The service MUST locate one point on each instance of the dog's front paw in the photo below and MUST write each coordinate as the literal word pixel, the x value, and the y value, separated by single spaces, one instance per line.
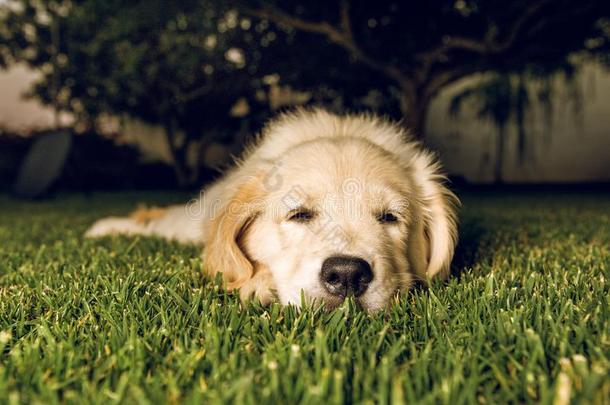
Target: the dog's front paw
pixel 260 287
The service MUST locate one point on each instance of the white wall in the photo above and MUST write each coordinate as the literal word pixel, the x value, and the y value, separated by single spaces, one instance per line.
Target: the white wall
pixel 576 149
pixel 16 112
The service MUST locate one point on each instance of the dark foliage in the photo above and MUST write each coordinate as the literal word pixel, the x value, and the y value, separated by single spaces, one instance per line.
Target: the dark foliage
pixel 184 65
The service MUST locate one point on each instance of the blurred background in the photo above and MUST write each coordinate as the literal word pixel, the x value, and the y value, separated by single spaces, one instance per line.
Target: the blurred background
pixel 117 94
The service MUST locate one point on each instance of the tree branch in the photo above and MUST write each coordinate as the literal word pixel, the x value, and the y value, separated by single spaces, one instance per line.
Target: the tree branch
pixel 490 44
pixel 446 77
pixel 346 23
pixel 181 97
pixel 341 36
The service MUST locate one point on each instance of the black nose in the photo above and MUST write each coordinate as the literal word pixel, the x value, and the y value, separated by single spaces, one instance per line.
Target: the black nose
pixel 342 275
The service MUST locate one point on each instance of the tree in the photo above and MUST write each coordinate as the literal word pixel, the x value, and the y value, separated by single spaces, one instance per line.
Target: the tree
pixel 183 65
pixel 176 64
pixel 418 48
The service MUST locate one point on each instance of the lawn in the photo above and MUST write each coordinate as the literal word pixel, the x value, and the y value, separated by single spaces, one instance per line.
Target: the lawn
pixel 526 318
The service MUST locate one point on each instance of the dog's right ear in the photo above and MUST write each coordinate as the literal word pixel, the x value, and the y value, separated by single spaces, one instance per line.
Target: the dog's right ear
pixel 434 234
pixel 223 252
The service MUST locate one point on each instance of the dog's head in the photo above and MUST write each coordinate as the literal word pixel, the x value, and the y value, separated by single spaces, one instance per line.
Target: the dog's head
pixel 333 218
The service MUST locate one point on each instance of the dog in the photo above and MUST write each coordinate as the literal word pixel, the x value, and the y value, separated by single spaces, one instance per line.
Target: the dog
pixel 320 206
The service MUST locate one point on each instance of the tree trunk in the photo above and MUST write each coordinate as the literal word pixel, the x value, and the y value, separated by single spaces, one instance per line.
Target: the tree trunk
pixel 204 142
pixel 178 153
pixel 414 108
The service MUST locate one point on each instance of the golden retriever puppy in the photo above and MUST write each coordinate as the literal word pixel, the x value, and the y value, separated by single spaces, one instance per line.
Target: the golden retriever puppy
pixel 322 206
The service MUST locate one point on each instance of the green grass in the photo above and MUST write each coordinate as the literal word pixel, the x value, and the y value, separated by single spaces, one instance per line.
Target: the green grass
pixel 133 321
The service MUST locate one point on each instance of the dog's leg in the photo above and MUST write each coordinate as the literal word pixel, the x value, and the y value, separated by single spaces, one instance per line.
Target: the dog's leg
pixel 174 223
pixel 115 226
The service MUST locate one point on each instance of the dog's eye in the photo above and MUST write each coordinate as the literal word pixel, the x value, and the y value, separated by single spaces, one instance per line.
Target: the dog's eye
pixel 387 217
pixel 302 215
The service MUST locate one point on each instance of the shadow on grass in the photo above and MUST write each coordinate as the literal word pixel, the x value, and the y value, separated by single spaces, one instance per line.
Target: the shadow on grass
pixel 469 249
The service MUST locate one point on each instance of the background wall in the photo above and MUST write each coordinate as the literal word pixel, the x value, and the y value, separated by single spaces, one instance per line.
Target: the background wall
pixel 16 112
pixel 576 149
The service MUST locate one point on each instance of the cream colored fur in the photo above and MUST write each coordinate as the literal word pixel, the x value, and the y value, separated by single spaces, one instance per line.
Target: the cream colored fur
pixel 347 170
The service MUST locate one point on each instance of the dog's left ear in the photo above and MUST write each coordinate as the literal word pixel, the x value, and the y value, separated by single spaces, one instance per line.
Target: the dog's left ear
pixel 223 252
pixel 434 231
